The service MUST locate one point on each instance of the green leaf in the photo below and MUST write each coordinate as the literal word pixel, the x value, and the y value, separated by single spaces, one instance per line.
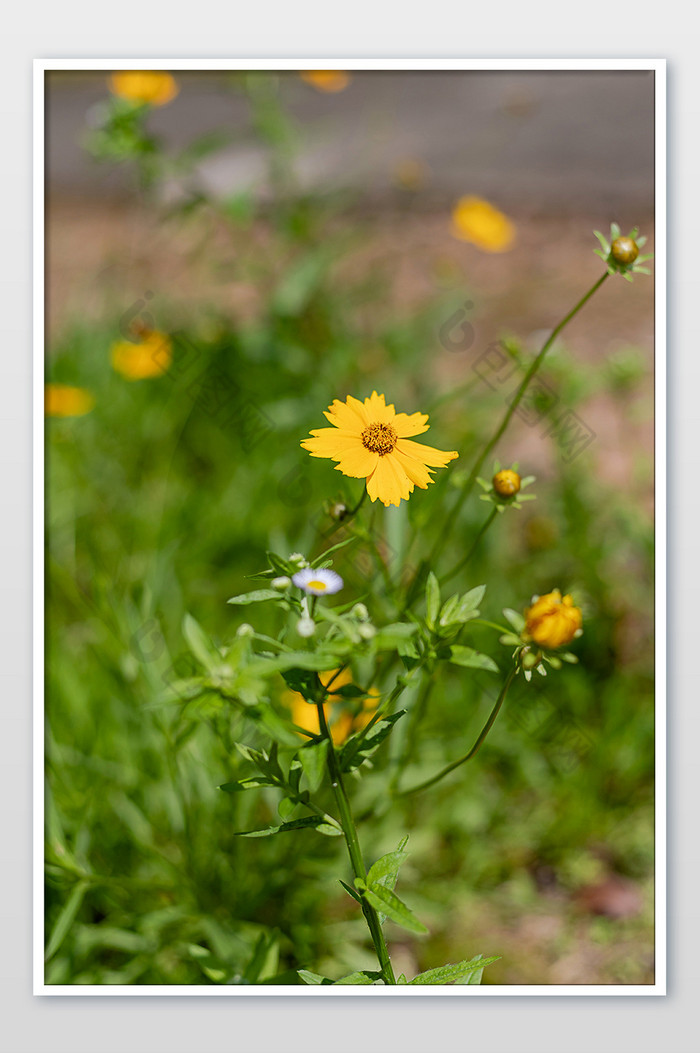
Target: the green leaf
pixel 386 901
pixel 333 548
pixel 199 644
pixel 360 746
pixel 359 978
pixel 257 596
pixel 255 782
pixel 447 974
pixel 65 919
pixel 312 978
pixel 432 600
pixel 471 659
pixel 286 807
pixel 515 618
pixel 313 761
pixel 314 822
pixel 392 636
pixel 385 870
pixel 351 892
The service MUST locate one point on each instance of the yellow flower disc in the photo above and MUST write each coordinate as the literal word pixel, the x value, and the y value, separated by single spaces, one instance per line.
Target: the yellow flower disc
pixel 506 483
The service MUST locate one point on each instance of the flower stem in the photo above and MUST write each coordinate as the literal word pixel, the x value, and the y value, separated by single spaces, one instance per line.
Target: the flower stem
pixel 497 435
pixel 475 748
pixel 351 839
pixel 463 562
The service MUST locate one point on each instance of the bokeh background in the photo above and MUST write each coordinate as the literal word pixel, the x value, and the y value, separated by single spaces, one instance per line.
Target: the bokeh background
pixel 291 241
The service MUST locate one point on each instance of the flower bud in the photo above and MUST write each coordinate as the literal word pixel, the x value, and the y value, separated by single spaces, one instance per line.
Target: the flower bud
pixel 338 511
pixel 552 620
pixel 281 583
pixel 506 483
pixel 624 250
pixel 245 630
pixel 366 631
pixel 361 612
pixel 306 627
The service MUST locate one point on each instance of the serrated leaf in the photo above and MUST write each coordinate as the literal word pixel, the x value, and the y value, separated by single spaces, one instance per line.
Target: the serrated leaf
pixel 432 600
pixel 386 901
pixel 446 974
pixel 471 659
pixel 257 596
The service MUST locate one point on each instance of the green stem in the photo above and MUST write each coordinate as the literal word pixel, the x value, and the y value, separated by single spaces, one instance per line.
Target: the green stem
pixel 463 562
pixel 497 435
pixel 351 839
pixel 475 748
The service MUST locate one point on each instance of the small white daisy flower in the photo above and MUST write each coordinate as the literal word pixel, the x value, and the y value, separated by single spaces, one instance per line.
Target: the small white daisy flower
pixel 319 582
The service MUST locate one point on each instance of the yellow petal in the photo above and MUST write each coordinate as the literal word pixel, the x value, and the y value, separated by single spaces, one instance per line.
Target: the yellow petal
pixel 329 442
pixel 389 483
pixel 348 415
pixel 377 410
pixel 425 454
pixel 357 463
pixel 415 470
pixel 406 424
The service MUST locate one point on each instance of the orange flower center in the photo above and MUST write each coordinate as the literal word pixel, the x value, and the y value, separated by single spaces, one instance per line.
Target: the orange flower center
pixel 379 438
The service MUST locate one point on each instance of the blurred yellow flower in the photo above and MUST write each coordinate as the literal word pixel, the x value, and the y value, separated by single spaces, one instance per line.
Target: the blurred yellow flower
pixel 506 482
pixel 146 87
pixel 151 357
pixel 371 441
pixel 326 80
pixel 553 620
pixel 475 220
pixel 61 400
pixel 341 724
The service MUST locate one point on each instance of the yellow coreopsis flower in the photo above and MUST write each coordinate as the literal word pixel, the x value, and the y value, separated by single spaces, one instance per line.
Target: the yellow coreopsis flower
pixel 477 221
pixel 62 400
pixel 329 81
pixel 151 357
pixel 147 87
pixel 341 724
pixel 553 620
pixel 371 441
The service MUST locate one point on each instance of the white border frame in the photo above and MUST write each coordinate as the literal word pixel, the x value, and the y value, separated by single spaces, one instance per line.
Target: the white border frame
pixel 658 66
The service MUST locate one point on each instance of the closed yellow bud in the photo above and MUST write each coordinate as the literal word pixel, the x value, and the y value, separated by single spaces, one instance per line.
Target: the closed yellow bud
pixel 553 620
pixel 624 250
pixel 506 483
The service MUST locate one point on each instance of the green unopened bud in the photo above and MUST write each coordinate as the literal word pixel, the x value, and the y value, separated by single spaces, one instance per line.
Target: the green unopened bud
pixel 245 630
pixel 366 631
pixel 361 612
pixel 281 583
